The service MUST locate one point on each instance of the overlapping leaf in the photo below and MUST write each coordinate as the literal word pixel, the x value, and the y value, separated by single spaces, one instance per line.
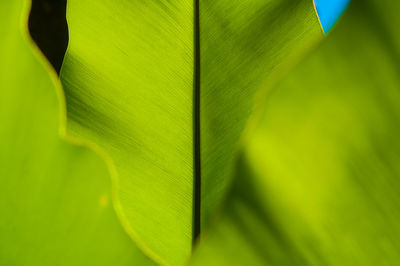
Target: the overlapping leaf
pixel 55 200
pixel 318 183
pixel 245 47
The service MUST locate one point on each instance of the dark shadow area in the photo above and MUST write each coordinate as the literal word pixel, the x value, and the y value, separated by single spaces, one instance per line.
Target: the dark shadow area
pixel 48 28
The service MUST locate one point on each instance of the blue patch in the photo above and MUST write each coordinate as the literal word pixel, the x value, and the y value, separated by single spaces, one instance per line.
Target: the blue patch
pixel 329 11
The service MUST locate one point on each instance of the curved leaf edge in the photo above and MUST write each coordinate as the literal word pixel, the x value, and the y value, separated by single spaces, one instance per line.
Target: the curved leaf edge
pixel 253 122
pixel 319 20
pixel 64 136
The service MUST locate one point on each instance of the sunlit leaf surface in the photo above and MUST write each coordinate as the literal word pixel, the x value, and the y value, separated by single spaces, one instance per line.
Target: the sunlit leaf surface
pixel 318 182
pixel 132 75
pixel 55 200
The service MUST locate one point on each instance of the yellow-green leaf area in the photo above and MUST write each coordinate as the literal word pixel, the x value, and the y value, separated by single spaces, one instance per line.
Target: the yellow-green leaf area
pixel 55 197
pixel 317 183
pixel 165 88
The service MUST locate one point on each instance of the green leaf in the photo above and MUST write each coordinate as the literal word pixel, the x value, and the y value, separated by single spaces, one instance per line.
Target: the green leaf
pixel 318 181
pixel 246 46
pixel 166 88
pixel 55 199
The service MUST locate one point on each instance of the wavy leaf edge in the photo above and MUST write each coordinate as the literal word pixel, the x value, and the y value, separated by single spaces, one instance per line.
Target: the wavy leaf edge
pixel 80 142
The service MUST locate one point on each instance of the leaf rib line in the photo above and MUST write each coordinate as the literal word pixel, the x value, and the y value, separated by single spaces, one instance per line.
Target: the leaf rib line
pixel 196 126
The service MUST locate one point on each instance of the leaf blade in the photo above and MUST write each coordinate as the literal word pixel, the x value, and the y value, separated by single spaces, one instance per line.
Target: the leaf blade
pixel 318 180
pixel 141 112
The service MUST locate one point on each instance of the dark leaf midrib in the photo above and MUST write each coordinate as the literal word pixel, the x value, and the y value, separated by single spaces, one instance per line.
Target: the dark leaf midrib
pixel 196 125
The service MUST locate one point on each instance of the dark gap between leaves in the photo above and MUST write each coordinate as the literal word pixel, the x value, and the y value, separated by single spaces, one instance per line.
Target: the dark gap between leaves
pixel 48 28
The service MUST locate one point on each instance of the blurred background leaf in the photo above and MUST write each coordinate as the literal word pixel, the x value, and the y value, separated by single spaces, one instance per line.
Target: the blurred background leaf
pixel 55 199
